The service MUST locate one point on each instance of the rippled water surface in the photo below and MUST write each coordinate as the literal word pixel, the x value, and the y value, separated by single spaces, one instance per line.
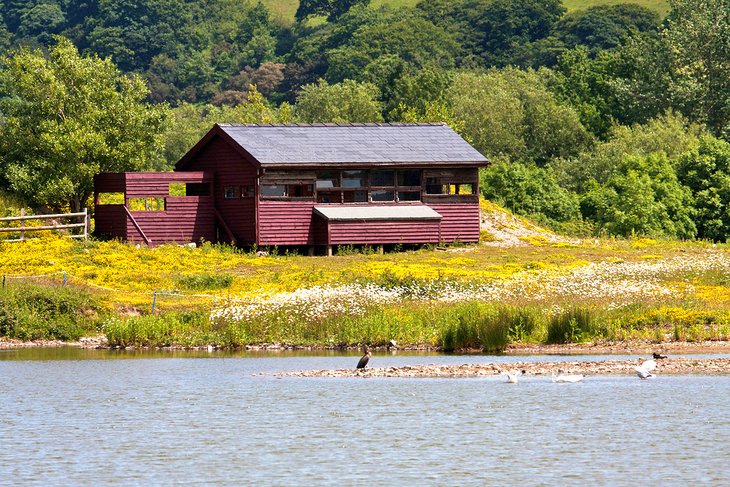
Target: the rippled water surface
pixel 81 417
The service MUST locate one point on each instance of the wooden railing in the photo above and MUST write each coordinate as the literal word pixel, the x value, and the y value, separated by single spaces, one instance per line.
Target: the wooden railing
pixel 22 229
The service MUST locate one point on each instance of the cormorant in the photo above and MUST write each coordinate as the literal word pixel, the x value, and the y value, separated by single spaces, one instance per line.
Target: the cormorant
pixel 364 359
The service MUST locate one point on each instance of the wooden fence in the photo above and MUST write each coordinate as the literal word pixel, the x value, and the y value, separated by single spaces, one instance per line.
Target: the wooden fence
pixel 23 230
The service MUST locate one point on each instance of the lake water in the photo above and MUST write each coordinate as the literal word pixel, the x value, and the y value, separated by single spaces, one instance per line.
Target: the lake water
pixel 87 417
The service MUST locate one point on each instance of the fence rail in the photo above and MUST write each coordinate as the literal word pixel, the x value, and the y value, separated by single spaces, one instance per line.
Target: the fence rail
pixel 22 229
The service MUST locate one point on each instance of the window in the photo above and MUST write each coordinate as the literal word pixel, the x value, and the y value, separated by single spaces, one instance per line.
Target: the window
pixel 355 196
pixel 409 196
pixel 409 177
pixel 299 190
pixel 382 195
pixel 147 204
pixel 329 197
pixel 110 199
pixel 229 192
pixel 247 191
pixel 273 190
pixel 379 177
pixel 434 186
pixel 466 188
pixel 328 179
pixel 177 189
pixel 354 179
pixel 197 189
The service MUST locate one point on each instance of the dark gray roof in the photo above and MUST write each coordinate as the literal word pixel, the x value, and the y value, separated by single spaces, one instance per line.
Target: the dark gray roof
pixel 353 143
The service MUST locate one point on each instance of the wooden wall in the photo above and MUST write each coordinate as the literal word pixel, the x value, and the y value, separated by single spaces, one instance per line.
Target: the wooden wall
pixel 460 223
pixel 286 223
pixel 383 232
pixel 230 169
pixel 186 219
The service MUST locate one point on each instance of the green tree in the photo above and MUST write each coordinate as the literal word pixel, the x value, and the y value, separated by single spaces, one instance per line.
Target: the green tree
pixel 669 135
pixel 67 118
pixel 410 41
pixel 706 171
pixel 333 9
pixel 642 197
pixel 698 33
pixel 189 122
pixel 348 101
pixel 531 191
pixel 511 113
pixel 505 24
pixel 605 26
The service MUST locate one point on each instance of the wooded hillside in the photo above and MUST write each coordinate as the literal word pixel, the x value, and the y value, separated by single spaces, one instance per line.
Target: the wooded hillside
pixel 599 117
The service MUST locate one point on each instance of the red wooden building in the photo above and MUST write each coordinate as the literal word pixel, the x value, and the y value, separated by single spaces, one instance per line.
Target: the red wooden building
pixel 303 185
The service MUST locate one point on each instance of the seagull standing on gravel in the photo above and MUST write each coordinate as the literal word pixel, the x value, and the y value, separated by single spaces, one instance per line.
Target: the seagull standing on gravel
pixel 512 376
pixel 644 370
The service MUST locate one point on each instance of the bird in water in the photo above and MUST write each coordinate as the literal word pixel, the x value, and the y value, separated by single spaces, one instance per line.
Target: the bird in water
pixel 567 378
pixel 658 356
pixel 512 376
pixel 364 359
pixel 644 370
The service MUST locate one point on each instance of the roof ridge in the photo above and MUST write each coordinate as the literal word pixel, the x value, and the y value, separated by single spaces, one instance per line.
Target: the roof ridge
pixel 332 124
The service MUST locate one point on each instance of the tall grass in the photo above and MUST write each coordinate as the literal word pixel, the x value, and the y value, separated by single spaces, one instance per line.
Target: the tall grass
pixel 571 326
pixel 38 312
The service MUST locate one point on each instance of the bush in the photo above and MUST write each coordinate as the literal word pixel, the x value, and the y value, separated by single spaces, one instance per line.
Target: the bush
pixel 530 191
pixel 570 326
pixel 202 282
pixel 35 312
pixel 489 329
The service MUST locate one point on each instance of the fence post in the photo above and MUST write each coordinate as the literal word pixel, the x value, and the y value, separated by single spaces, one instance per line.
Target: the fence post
pixel 3 281
pixel 22 225
pixel 154 301
pixel 64 278
pixel 86 224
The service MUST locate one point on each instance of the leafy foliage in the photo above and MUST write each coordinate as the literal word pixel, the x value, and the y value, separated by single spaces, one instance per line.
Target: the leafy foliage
pixel 348 101
pixel 705 170
pixel 68 117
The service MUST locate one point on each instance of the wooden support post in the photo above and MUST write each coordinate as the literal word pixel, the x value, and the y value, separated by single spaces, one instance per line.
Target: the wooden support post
pixel 329 251
pixel 380 249
pixel 310 251
pixel 22 225
pixel 86 224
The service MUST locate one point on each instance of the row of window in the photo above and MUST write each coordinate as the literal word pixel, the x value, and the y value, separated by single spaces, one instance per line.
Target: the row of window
pixel 358 186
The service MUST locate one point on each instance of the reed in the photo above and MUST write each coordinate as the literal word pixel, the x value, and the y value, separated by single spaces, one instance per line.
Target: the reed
pixel 571 326
pixel 30 311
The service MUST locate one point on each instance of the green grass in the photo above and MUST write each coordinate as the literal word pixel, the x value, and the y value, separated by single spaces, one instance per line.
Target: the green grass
pixel 285 9
pixel 46 312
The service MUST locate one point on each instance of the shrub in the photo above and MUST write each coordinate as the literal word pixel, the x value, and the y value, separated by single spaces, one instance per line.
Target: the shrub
pixel 570 326
pixel 35 312
pixel 202 282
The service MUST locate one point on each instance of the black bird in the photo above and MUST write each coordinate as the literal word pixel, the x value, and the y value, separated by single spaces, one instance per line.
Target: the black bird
pixel 658 356
pixel 364 359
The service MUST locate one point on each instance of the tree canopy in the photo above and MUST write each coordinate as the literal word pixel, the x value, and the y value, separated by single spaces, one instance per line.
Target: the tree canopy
pixel 67 117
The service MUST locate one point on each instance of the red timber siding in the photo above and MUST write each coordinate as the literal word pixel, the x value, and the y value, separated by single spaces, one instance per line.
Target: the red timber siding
pixel 230 169
pixel 383 232
pixel 186 219
pixel 460 222
pixel 110 221
pixel 286 223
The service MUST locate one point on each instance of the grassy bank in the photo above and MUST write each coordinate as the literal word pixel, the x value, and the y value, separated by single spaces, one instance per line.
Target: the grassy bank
pixel 479 297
